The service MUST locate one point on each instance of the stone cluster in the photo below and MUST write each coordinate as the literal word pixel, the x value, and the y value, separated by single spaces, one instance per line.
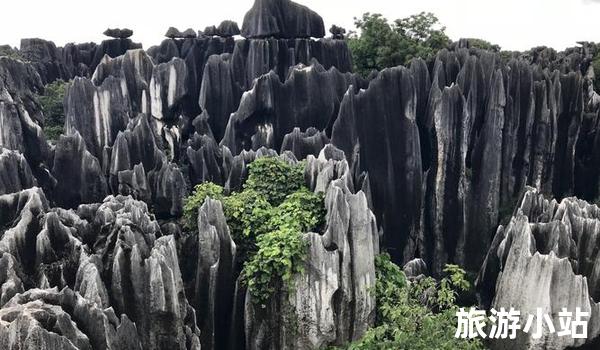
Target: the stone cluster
pixel 422 161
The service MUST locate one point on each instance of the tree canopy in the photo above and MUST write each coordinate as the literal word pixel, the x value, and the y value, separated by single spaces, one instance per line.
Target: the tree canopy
pixel 381 44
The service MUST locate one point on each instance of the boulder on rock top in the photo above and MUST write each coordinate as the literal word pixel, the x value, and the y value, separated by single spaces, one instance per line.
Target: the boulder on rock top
pixel 118 33
pixel 282 19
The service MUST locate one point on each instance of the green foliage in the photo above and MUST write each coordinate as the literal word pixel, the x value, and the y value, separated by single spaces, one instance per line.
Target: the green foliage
pixel 381 44
pixel 274 178
pixel 419 315
pixel 301 211
pixel 196 199
pixel 483 44
pixel 248 215
pixel 266 221
pixel 52 106
pixel 280 255
pixel 281 251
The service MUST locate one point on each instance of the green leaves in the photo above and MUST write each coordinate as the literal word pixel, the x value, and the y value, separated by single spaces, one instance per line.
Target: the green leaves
pixel 280 255
pixel 418 315
pixel 194 202
pixel 52 106
pixel 274 178
pixel 266 220
pixel 301 211
pixel 381 44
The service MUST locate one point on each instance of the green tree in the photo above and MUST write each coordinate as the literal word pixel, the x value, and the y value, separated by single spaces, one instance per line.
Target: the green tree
pixel 483 44
pixel 52 106
pixel 380 44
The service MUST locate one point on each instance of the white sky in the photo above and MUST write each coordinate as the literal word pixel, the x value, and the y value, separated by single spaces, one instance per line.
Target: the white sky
pixel 513 24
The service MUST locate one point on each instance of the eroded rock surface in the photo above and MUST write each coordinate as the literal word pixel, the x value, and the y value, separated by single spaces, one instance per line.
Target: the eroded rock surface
pixel 544 258
pixel 282 19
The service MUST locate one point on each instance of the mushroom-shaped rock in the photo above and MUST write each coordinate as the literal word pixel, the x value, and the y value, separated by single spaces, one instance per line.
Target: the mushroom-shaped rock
pixel 282 19
pixel 189 34
pixel 211 31
pixel 118 33
pixel 173 33
pixel 228 29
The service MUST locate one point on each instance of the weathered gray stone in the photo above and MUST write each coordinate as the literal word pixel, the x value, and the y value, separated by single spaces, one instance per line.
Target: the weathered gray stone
pixel 543 259
pixel 282 19
pixel 15 173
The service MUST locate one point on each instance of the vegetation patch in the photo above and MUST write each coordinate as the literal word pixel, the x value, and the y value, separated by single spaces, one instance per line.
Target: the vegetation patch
pixel 381 44
pixel 274 179
pixel 267 221
pixel 417 315
pixel 52 106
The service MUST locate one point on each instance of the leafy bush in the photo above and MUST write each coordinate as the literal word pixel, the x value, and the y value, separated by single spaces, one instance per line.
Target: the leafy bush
pixel 266 221
pixel 301 211
pixel 195 201
pixel 274 178
pixel 381 44
pixel 280 255
pixel 483 44
pixel 248 215
pixel 419 315
pixel 52 106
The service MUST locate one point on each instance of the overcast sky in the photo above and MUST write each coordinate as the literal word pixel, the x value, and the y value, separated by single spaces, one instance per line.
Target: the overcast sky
pixel 513 24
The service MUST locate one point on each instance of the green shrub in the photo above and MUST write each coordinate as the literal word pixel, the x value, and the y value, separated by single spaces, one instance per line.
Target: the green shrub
pixel 248 215
pixel 274 178
pixel 52 106
pixel 266 221
pixel 416 316
pixel 196 199
pixel 302 211
pixel 280 255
